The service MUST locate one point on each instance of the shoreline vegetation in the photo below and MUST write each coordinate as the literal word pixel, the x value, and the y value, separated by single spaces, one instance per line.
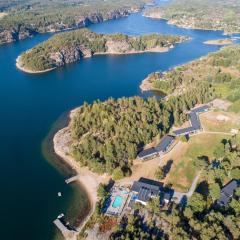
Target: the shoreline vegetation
pixel 72 143
pixel 86 178
pixel 69 47
pixel 200 15
pixel 220 69
pixel 21 20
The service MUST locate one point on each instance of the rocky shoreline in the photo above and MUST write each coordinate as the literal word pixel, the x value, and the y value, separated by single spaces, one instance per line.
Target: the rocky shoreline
pixel 87 179
pixel 20 67
pixel 187 25
pixel 153 50
pixel 115 44
pixel 13 35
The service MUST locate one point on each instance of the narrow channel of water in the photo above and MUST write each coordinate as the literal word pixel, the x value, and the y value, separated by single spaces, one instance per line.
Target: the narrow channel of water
pixel 30 104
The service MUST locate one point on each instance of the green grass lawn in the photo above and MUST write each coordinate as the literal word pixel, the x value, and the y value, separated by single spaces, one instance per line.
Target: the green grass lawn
pixel 183 170
pixel 222 90
pixel 235 107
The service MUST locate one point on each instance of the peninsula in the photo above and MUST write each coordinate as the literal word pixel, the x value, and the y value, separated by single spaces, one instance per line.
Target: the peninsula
pixel 69 47
pixel 129 139
pixel 220 70
pixel 22 19
pixel 200 14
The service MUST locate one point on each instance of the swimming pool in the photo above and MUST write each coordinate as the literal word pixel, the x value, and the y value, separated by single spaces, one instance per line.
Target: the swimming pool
pixel 117 202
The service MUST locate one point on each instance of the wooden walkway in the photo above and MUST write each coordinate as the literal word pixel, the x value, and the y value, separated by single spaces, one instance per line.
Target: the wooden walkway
pixel 67 233
pixel 72 179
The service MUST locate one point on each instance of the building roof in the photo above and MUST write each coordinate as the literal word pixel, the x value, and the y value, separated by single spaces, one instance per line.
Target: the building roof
pixel 183 131
pixel 201 109
pixel 227 192
pixel 194 119
pixel 166 196
pixel 229 188
pixel 165 143
pixel 145 190
pixel 147 152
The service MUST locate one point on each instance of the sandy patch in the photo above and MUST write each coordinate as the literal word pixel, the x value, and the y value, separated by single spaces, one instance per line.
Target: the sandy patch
pixel 3 14
pixel 220 42
pixel 89 180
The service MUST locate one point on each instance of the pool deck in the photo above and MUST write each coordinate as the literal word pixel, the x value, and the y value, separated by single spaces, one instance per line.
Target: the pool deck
pixel 121 194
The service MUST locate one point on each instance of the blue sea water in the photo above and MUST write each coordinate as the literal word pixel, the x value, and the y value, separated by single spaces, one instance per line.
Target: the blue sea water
pixel 31 104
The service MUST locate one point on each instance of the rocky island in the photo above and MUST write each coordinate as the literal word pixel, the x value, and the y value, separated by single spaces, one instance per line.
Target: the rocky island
pixel 69 47
pixel 219 42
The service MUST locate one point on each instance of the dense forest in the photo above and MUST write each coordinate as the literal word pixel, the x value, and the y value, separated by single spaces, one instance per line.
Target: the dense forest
pixel 201 217
pixel 70 46
pixel 201 14
pixel 24 18
pixel 220 69
pixel 109 134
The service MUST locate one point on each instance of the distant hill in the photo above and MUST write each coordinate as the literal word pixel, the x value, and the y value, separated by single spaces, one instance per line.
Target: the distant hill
pixel 201 14
pixel 28 17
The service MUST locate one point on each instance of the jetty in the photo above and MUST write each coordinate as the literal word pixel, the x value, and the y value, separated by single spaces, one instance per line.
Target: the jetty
pixel 68 233
pixel 72 179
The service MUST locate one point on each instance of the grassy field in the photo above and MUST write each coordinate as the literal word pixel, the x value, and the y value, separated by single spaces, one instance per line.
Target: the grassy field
pixel 235 107
pixel 183 170
pixel 211 123
pixel 222 90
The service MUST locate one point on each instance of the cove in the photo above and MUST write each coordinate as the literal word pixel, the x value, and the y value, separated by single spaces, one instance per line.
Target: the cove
pixel 31 104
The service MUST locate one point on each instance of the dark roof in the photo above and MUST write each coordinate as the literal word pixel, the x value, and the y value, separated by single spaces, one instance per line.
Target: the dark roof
pixel 183 131
pixel 166 196
pixel 165 143
pixel 147 152
pixel 201 109
pixel 229 188
pixel 227 192
pixel 145 190
pixel 194 119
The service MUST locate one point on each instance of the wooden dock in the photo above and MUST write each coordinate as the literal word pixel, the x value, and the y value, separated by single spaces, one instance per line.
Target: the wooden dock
pixel 66 232
pixel 71 179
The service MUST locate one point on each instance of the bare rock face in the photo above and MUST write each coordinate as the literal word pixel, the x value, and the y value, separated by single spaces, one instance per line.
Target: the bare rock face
pixel 95 18
pixel 58 58
pixel 70 55
pixel 117 14
pixel 7 36
pixel 24 34
pixel 117 46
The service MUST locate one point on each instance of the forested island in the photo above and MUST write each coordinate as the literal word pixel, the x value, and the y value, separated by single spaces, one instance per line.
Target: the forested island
pixel 221 70
pixel 68 47
pixel 200 14
pixel 22 19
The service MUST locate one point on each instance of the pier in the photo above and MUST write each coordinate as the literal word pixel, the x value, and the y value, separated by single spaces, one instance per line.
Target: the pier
pixel 72 179
pixel 69 234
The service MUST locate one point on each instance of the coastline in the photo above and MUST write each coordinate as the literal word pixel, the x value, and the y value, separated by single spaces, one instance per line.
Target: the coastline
pixel 86 178
pixel 171 22
pixel 18 65
pixel 146 85
pixel 153 50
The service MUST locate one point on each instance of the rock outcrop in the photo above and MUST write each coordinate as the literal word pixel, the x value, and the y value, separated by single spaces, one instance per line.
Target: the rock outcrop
pixel 11 35
pixel 69 47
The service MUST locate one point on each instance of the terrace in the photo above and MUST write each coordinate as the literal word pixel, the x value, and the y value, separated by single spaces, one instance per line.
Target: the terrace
pixel 115 205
